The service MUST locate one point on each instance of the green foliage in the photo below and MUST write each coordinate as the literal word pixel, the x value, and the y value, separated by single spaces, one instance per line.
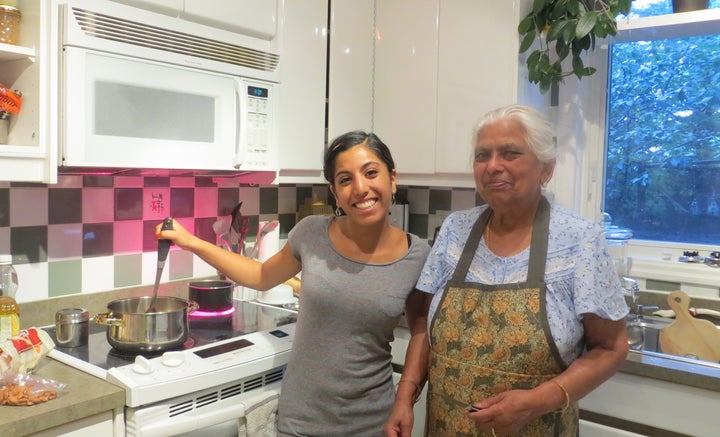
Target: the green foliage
pixel 663 145
pixel 565 28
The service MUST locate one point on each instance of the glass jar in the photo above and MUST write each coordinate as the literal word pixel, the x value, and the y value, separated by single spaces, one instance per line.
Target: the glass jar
pixel 9 24
pixel 617 239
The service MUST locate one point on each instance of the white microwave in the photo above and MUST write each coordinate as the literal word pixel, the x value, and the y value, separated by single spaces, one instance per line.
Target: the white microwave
pixel 144 91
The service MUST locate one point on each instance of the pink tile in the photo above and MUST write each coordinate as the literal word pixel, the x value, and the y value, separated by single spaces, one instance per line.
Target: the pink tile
pixel 128 237
pixel 156 203
pixel 98 205
pixel 206 202
pixel 65 241
pixel 29 206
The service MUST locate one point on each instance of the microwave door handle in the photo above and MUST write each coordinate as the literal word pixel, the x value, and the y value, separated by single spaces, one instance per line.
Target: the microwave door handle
pixel 240 123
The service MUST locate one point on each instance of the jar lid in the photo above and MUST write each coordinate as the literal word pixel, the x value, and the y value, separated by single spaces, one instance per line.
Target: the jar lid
pixel 72 315
pixel 10 10
pixel 7 303
pixel 5 259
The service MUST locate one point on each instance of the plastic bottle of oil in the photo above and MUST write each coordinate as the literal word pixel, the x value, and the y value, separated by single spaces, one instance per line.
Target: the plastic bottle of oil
pixel 9 312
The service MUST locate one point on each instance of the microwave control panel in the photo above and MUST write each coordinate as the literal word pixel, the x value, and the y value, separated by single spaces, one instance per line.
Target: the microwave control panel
pixel 259 128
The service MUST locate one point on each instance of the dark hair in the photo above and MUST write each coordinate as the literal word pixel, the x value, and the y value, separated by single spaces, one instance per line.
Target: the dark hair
pixel 349 140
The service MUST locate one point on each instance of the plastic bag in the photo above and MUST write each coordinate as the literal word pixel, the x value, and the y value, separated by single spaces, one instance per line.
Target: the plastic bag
pixel 21 353
pixel 25 389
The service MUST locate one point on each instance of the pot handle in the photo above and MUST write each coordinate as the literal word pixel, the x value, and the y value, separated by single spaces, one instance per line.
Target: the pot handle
pixel 192 306
pixel 107 319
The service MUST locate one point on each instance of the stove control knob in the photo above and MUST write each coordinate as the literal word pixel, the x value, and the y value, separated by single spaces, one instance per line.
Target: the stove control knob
pixel 142 365
pixel 173 359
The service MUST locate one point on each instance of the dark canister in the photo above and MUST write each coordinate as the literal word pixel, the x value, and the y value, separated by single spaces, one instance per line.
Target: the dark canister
pixel 71 325
pixel 212 295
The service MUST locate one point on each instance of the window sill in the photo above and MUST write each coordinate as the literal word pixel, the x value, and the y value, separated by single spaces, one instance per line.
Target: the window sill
pixel 677 25
pixel 695 279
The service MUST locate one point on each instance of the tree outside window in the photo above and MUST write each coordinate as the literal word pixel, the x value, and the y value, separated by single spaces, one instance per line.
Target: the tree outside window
pixel 662 170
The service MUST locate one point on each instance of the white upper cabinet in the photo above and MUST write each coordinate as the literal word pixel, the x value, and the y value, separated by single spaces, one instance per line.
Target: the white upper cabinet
pixel 438 66
pixel 29 154
pixel 303 62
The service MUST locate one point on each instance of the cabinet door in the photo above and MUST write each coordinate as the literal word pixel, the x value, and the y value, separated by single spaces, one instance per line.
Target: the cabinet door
pixel 303 62
pixel 477 72
pixel 405 82
pixel 350 66
pixel 29 151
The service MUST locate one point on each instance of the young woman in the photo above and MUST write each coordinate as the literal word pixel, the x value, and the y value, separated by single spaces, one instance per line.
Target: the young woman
pixel 358 276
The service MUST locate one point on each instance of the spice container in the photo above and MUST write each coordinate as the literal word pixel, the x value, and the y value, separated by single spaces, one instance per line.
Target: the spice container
pixel 71 327
pixel 9 23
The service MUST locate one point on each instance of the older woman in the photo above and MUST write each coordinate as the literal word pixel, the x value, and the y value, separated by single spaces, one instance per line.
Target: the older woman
pixel 527 313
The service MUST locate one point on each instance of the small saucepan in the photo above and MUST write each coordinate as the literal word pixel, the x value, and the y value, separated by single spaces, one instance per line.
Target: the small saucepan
pixel 212 295
pixel 131 329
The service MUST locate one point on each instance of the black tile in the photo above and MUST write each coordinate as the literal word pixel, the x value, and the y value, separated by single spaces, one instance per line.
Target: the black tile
pixel 302 193
pixel 269 200
pixel 156 181
pixel 98 181
pixel 149 242
pixel 182 202
pixel 4 207
pixel 128 203
pixel 418 225
pixel 204 230
pixel 205 182
pixel 64 205
pixel 287 222
pixel 439 200
pixel 97 239
pixel 227 199
pixel 28 244
pixel 401 196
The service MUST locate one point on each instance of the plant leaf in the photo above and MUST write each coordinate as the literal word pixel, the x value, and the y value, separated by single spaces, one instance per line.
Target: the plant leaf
pixel 525 25
pixel 527 41
pixel 556 30
pixel 586 24
pixel 538 6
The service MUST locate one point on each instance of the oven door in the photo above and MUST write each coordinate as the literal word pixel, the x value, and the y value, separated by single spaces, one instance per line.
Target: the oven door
pixel 130 113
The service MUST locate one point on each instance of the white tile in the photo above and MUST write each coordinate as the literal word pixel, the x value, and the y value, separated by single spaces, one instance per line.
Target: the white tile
pixel 129 182
pixel 250 197
pixel 32 282
pixel 98 274
pixel 69 181
pixel 462 199
pixel 182 182
pixel 286 200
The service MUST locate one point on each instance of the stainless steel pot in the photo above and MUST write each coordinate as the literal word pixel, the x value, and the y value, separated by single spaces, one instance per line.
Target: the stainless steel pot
pixel 131 329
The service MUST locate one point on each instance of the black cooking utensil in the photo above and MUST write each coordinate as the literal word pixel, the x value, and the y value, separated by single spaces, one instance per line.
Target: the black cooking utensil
pixel 235 227
pixel 163 250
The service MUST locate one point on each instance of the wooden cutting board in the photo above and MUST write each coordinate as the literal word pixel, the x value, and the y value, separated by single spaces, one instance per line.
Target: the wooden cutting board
pixel 688 335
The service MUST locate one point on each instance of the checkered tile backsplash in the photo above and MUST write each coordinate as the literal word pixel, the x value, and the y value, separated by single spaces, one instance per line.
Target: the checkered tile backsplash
pixel 96 233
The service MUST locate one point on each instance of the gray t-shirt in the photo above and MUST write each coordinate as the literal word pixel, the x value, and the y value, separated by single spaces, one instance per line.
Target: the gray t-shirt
pixel 339 378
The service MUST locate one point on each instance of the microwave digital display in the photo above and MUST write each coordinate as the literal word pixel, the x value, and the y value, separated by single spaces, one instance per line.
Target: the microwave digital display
pixel 257 91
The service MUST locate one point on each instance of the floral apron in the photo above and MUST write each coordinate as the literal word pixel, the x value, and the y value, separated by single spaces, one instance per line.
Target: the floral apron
pixel 487 339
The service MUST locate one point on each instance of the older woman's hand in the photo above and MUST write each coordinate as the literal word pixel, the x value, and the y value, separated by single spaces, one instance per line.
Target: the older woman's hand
pixel 509 412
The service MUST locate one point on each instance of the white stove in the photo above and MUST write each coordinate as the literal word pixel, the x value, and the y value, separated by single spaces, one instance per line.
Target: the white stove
pixel 226 361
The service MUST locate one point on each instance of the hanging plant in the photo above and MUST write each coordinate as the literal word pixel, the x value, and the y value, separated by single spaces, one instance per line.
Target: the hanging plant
pixel 566 28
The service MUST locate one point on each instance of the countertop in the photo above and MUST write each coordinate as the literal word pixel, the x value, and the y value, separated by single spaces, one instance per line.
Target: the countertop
pixel 84 396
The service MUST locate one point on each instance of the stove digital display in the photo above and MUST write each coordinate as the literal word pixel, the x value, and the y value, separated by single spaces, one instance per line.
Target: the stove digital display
pixel 223 348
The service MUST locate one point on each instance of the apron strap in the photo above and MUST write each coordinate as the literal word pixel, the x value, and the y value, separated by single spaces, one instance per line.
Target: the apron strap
pixel 471 246
pixel 538 244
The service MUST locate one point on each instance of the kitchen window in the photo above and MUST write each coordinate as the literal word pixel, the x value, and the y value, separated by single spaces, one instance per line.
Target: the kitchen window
pixel 663 136
pixel 649 176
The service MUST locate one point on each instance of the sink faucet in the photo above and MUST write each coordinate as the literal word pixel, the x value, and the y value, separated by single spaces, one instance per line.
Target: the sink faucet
pixel 640 308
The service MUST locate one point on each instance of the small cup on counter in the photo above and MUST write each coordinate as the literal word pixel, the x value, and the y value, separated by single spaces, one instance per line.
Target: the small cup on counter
pixel 71 326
